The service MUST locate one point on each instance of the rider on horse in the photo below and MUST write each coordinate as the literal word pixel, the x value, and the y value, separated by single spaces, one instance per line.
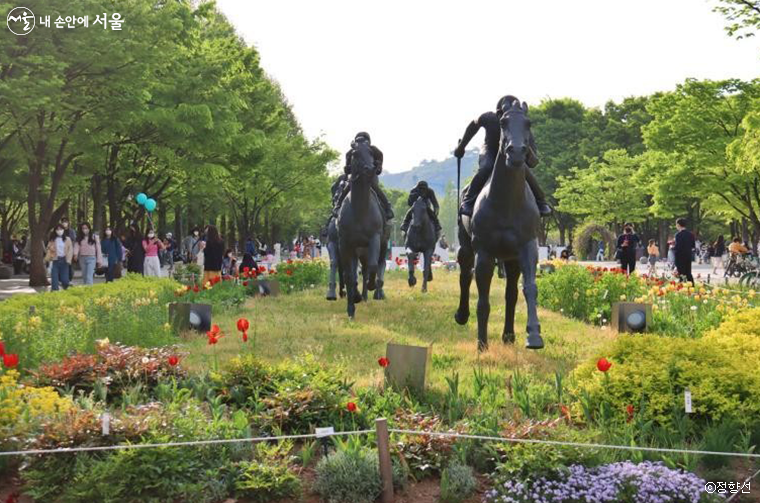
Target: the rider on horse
pixel 490 122
pixel 425 192
pixel 377 155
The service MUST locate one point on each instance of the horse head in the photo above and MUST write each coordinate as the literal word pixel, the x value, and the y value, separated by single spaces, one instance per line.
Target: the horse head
pixel 515 133
pixel 362 161
pixel 419 212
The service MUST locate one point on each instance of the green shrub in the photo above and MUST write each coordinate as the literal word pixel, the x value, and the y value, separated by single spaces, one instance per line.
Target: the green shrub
pixel 349 477
pixel 298 275
pixel 131 311
pixel 268 477
pixel 457 483
pixel 291 397
pixel 189 473
pixel 720 369
pixel 353 476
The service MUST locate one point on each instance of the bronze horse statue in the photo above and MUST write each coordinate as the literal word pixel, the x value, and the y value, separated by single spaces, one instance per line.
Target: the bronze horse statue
pixel 421 239
pixel 361 226
pixel 503 227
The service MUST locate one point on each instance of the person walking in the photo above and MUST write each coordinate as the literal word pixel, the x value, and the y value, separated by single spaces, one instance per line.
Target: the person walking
pixel 151 245
pixel 654 254
pixel 87 252
pixel 600 251
pixel 191 246
pixel 170 247
pixel 213 253
pixel 110 246
pixel 60 252
pixel 135 252
pixel 719 249
pixel 71 234
pixel 684 249
pixel 626 249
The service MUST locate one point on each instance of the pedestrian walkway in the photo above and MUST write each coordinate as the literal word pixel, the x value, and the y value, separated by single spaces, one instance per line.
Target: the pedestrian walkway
pixel 19 284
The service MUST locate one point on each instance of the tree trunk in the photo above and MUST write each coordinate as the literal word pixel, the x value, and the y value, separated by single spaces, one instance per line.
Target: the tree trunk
pixel 662 231
pixel 178 229
pixel 98 207
pixel 162 220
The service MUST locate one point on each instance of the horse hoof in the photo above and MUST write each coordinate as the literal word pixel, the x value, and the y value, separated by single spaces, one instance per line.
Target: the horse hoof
pixel 508 338
pixel 412 281
pixel 331 297
pixel 343 294
pixel 534 342
pixel 379 295
pixel 482 346
pixel 461 318
pixel 424 289
pixel 371 285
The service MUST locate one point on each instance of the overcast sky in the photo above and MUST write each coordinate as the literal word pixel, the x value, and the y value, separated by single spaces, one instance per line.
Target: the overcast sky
pixel 413 73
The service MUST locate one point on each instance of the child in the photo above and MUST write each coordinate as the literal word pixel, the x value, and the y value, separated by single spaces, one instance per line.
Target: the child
pixel 654 254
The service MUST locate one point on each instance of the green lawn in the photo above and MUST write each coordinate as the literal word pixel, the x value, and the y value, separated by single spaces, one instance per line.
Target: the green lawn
pixel 305 323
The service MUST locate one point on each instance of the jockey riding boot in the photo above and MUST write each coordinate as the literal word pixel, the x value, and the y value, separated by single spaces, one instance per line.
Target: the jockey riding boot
pixel 543 208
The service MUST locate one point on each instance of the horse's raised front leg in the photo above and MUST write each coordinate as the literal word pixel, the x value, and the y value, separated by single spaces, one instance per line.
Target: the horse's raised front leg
pixel 512 269
pixel 528 261
pixel 410 258
pixel 484 265
pixel 466 260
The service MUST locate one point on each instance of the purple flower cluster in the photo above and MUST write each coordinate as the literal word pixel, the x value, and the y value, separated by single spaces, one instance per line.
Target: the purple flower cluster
pixel 623 482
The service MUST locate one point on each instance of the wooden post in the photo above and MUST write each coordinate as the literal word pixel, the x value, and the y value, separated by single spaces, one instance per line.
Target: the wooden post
pixel 384 451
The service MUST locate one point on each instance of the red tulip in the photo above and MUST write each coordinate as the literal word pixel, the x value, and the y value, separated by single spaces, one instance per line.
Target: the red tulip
pixel 383 362
pixel 242 324
pixel 351 407
pixel 246 270
pixel 214 329
pixel 10 360
pixel 289 261
pixel 262 269
pixel 245 283
pixel 245 336
pixel 2 348
pixel 289 272
pixel 603 365
pixel 629 411
pixel 173 360
pixel 196 289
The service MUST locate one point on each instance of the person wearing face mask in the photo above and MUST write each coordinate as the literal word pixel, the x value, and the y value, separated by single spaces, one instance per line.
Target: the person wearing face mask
pixel 135 253
pixel 87 252
pixel 111 247
pixel 60 251
pixel 191 246
pixel 627 243
pixel 152 245
pixel 71 234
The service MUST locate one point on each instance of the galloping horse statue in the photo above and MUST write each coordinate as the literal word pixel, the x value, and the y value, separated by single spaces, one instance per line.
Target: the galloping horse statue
pixel 421 239
pixel 504 226
pixel 360 227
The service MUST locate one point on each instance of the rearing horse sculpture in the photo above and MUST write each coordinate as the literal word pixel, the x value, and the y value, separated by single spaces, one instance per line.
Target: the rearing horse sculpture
pixel 421 239
pixel 504 226
pixel 360 225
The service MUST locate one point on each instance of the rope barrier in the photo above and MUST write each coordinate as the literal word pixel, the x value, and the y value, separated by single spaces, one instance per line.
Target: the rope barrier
pixel 179 444
pixel 573 444
pixel 364 432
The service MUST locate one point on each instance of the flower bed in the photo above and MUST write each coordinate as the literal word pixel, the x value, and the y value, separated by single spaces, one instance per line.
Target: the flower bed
pixel 47 326
pixel 678 309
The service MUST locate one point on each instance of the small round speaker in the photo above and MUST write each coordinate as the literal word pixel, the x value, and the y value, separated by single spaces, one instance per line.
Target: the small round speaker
pixel 636 321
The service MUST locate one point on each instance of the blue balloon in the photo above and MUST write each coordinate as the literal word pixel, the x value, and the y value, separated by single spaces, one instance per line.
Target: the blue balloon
pixel 141 198
pixel 150 205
